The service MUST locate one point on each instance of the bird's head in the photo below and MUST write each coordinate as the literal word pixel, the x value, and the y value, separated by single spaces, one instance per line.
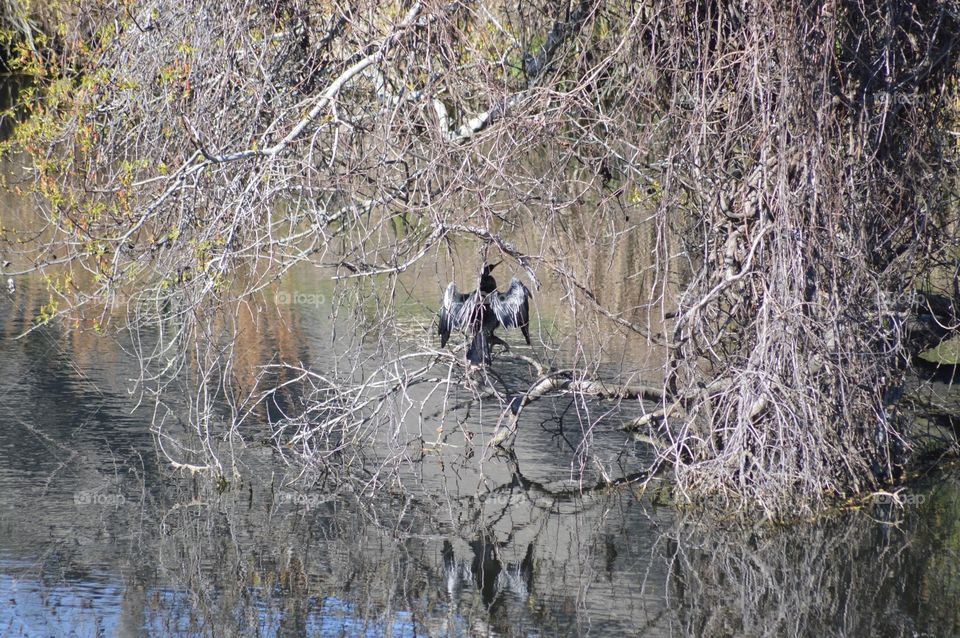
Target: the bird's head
pixel 488 268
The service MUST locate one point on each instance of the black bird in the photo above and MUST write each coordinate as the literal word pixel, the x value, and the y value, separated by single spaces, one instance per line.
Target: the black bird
pixel 482 311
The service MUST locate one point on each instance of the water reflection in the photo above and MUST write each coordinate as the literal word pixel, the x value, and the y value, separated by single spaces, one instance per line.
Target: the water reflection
pixel 99 538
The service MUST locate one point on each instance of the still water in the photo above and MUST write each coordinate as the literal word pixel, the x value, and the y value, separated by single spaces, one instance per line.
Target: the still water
pixel 99 536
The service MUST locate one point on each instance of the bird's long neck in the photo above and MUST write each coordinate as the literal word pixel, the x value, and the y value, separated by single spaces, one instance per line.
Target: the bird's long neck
pixel 487 284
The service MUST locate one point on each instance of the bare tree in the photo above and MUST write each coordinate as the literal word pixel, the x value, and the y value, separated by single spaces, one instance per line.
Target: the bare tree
pixel 783 168
pixel 814 149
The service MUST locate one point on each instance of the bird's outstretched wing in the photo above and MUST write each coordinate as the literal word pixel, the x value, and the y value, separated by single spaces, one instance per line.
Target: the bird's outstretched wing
pixel 512 307
pixel 456 308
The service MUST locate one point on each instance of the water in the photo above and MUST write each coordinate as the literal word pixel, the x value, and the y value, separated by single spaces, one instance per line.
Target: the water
pixel 445 536
pixel 99 536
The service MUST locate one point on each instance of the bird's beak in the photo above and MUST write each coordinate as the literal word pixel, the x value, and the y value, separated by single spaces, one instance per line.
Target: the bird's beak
pixel 492 266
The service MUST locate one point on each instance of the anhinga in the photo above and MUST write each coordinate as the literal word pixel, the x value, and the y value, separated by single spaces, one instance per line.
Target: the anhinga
pixel 482 311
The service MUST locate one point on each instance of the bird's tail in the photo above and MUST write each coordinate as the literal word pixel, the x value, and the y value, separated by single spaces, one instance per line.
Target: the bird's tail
pixel 479 351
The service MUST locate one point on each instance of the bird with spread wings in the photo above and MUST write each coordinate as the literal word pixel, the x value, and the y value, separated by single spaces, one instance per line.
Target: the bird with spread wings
pixel 481 312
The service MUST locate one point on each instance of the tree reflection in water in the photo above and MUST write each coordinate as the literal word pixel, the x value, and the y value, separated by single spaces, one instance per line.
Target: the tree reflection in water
pixel 97 536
